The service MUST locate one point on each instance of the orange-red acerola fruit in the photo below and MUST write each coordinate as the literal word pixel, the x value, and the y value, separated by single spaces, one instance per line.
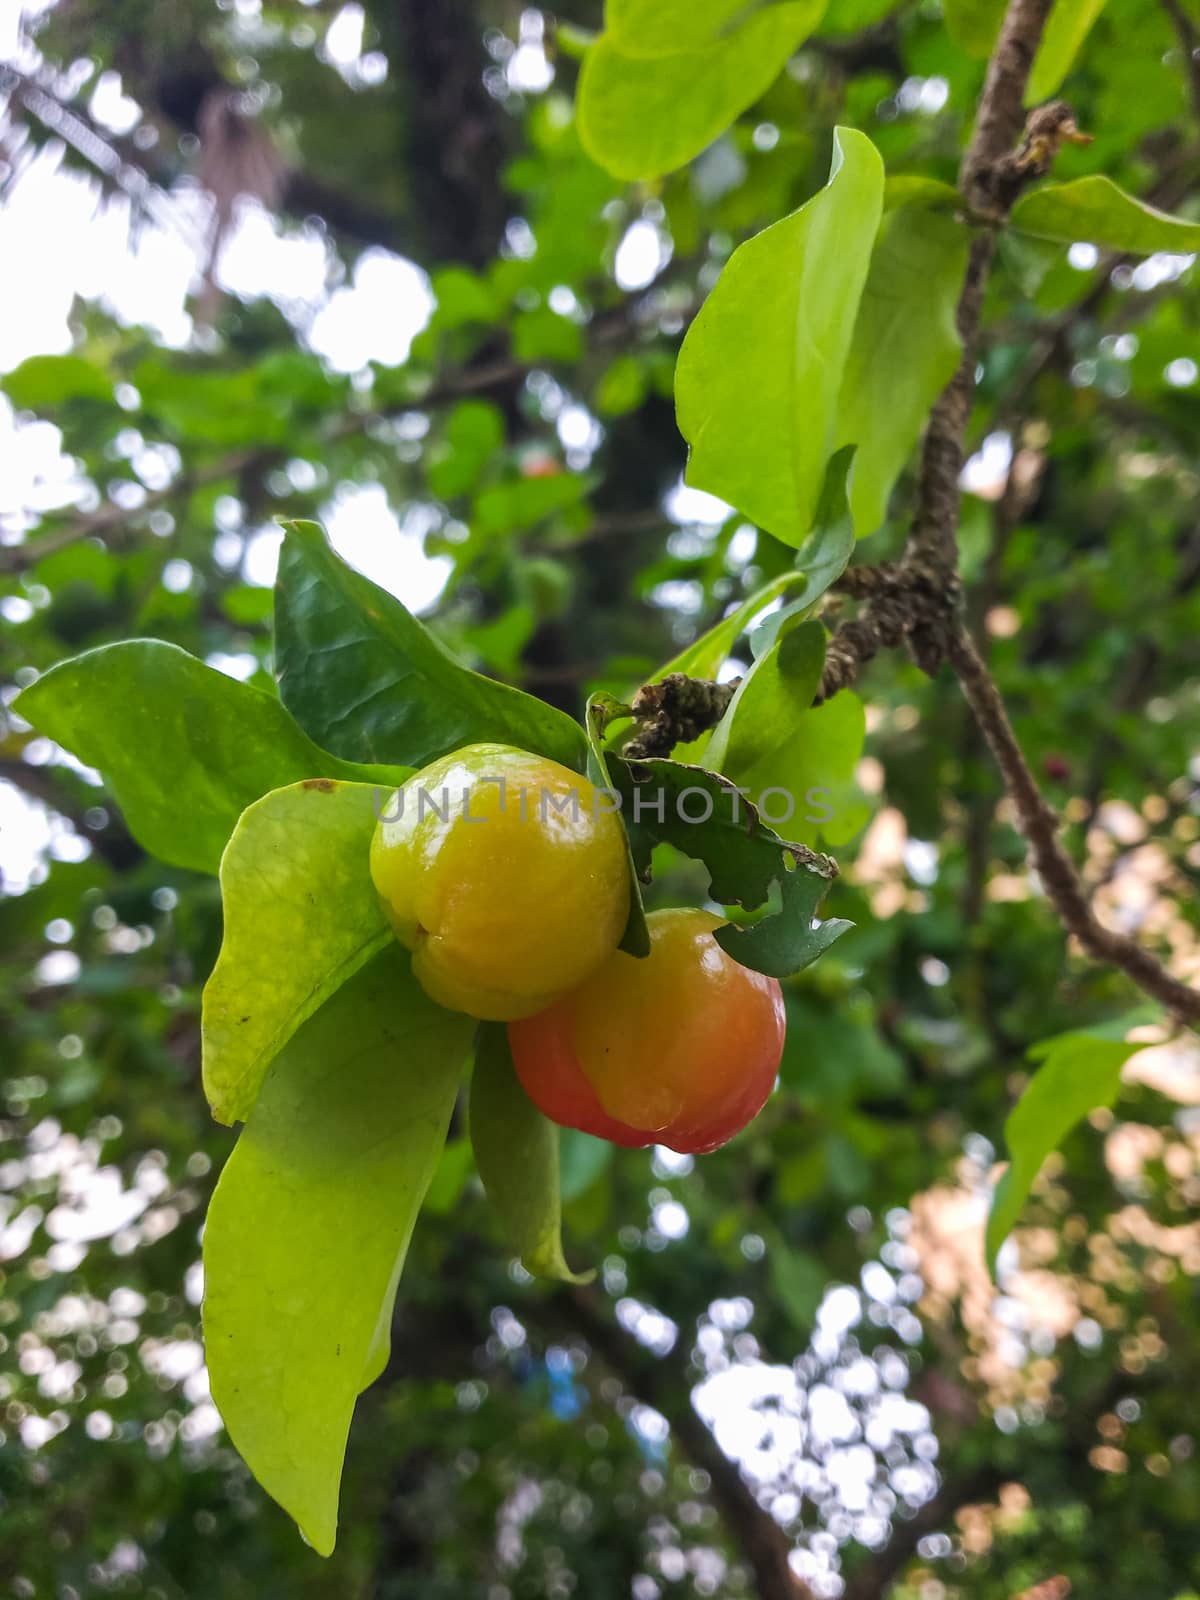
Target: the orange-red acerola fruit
pixel 680 1048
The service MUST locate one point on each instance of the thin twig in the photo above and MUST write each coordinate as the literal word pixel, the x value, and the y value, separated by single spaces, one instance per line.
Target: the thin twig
pixel 1039 824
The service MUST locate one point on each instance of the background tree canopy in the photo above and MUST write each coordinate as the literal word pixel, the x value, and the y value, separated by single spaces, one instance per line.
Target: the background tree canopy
pixel 422 270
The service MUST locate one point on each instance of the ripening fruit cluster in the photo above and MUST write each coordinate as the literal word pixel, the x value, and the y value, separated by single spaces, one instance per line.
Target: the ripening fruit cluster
pixel 506 876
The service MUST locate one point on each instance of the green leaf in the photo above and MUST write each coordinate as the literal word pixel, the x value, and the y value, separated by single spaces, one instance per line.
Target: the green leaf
pixel 705 656
pixel 362 674
pixel 310 1223
pixel 301 916
pixel 1095 211
pixel 817 765
pixel 602 709
pixel 41 383
pixel 582 1159
pixel 974 24
pixel 516 1152
pixel 1079 1072
pixel 664 27
pixel 823 556
pixel 1067 26
pixel 798 1281
pixel 471 436
pixel 183 748
pixel 760 371
pixel 641 115
pixel 542 335
pixel 778 689
pixel 703 815
pixel 904 352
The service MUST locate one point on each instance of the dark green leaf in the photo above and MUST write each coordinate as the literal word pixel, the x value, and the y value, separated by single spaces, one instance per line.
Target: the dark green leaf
pixel 362 674
pixel 745 859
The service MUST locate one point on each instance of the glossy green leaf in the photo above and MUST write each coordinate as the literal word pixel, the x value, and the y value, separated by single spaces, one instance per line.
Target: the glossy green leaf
pixel 602 709
pixel 310 1223
pixel 362 674
pixel 516 1152
pixel 974 24
pixel 41 383
pixel 644 115
pixel 183 748
pixel 823 556
pixel 904 352
pixel 1079 1072
pixel 301 916
pixel 706 817
pixel 1095 211
pixel 760 372
pixel 1068 25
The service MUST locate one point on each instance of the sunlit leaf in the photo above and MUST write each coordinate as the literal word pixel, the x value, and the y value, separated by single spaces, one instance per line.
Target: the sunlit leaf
pixel 761 369
pixel 1095 211
pixel 641 115
pixel 1067 26
pixel 516 1152
pixel 1079 1072
pixel 310 1223
pixel 904 351
pixel 301 916
pixel 183 748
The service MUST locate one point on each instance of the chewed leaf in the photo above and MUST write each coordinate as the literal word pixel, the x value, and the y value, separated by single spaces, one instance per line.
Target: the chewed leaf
pixel 705 816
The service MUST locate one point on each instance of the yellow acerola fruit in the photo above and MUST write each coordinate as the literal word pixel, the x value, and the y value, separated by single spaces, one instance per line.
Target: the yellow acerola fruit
pixel 505 874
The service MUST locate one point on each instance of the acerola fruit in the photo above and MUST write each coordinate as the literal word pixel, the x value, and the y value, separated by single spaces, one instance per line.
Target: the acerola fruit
pixel 680 1048
pixel 506 876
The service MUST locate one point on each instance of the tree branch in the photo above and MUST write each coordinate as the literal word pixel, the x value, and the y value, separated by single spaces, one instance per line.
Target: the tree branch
pixel 762 1541
pixel 1039 825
